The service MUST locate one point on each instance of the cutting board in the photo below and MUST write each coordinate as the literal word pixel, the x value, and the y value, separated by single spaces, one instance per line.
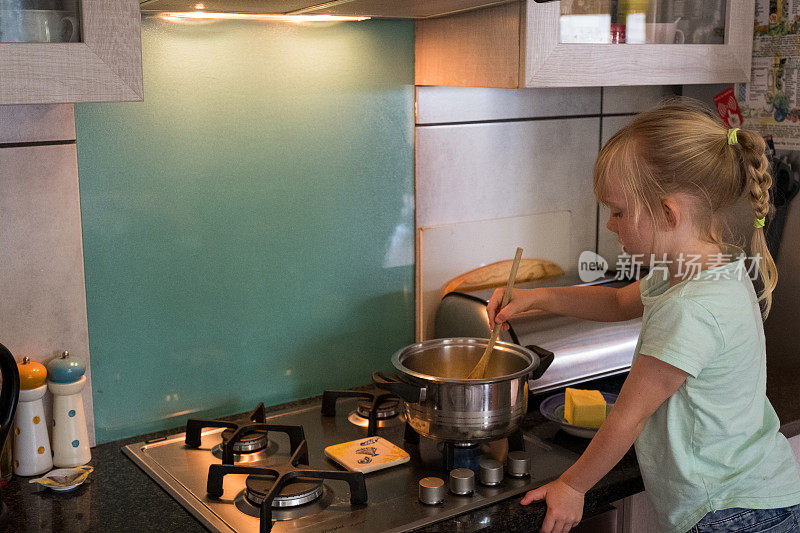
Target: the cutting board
pixel 367 454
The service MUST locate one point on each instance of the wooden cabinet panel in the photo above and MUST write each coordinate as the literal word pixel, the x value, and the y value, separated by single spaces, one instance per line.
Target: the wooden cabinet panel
pixel 603 523
pixel 549 63
pixel 507 48
pixel 637 515
pixel 795 443
pixel 35 123
pixel 400 9
pixel 473 49
pixel 106 66
pixel 228 6
pixel 359 8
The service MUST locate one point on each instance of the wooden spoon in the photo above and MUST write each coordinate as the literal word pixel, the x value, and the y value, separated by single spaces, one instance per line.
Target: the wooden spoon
pixel 480 369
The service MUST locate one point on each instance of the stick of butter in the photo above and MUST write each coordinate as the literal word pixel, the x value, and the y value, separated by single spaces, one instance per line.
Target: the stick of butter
pixel 585 408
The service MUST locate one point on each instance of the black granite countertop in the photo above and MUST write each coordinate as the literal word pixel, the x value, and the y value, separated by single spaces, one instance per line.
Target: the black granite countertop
pixel 118 496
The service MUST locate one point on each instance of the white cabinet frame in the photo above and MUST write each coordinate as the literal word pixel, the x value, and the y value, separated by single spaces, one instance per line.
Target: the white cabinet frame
pixel 548 63
pixel 106 66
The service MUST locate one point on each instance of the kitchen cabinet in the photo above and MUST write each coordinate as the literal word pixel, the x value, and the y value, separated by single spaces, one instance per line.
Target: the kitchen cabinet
pixel 795 444
pixel 636 514
pixel 102 60
pixel 530 44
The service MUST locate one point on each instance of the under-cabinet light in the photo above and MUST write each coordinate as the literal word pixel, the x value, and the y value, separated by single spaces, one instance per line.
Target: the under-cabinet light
pixel 245 16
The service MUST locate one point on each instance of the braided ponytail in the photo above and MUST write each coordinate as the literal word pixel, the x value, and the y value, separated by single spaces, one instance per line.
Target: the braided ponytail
pixel 757 182
pixel 681 146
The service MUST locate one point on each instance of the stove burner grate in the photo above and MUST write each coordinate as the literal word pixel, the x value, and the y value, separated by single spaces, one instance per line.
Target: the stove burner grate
pixel 242 437
pixel 387 408
pixel 275 485
pixel 376 408
pixel 248 443
pixel 292 495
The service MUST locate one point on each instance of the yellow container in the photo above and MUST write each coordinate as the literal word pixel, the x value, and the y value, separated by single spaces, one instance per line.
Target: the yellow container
pixel 624 7
pixel 31 374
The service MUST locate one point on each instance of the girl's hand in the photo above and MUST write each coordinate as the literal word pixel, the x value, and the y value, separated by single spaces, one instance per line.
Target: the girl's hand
pixel 521 300
pixel 564 506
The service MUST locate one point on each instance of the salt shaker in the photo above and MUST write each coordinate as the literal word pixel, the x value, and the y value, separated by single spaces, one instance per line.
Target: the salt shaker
pixel 70 438
pixel 31 444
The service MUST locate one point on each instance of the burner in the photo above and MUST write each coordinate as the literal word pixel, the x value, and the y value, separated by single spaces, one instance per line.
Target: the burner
pixel 387 408
pixel 241 438
pixel 451 455
pixel 286 513
pixel 248 457
pixel 377 408
pixel 290 496
pixel 247 443
pixel 458 455
pixel 284 485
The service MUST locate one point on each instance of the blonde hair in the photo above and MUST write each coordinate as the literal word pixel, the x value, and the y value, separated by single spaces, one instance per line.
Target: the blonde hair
pixel 682 147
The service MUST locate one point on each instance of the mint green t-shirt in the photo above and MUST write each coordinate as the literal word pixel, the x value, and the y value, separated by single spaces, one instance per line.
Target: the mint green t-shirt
pixel 714 444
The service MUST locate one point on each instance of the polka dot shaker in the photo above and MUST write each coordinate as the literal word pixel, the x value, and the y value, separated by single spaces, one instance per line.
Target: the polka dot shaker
pixel 66 380
pixel 31 444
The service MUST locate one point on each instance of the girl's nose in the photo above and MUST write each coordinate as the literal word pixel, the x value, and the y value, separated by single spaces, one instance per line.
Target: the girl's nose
pixel 610 224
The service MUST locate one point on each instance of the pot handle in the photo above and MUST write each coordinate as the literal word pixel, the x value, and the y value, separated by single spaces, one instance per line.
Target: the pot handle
pixel 546 358
pixel 408 392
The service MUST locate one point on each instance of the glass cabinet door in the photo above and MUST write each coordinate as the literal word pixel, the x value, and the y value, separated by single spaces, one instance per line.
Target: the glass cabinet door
pixel 40 21
pixel 643 21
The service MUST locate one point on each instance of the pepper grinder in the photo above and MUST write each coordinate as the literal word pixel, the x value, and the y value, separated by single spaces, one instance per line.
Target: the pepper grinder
pixel 31 444
pixel 70 438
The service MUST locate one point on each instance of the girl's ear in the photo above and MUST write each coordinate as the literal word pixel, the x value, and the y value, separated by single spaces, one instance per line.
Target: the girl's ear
pixel 671 209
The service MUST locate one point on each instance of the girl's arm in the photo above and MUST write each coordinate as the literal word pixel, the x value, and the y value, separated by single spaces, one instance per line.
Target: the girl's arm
pixel 648 385
pixel 602 304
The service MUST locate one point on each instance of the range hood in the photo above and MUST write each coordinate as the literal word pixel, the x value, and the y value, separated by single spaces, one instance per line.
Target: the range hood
pixel 409 9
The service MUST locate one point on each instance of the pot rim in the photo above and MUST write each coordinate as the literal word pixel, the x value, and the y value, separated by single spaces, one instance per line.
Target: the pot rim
pixel 534 360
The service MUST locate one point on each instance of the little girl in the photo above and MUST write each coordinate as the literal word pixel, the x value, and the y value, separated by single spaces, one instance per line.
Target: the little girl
pixel 694 403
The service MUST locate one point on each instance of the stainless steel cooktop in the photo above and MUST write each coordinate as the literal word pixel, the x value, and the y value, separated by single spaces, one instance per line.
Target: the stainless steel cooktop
pixel 392 494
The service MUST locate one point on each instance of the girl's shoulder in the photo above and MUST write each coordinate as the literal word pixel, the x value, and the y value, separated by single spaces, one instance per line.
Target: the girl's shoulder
pixel 729 301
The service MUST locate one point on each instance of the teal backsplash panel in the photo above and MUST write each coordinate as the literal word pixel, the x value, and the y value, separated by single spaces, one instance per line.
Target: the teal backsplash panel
pixel 248 228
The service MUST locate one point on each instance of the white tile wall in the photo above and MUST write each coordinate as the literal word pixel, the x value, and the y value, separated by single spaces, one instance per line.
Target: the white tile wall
pixel 607 244
pixel 527 155
pixel 504 169
pixel 705 93
pixel 461 104
pixel 635 99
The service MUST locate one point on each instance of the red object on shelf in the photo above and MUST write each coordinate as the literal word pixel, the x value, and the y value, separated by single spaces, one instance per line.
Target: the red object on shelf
pixel 618 34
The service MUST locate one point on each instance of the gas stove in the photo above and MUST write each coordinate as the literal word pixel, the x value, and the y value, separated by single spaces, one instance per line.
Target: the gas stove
pixel 268 471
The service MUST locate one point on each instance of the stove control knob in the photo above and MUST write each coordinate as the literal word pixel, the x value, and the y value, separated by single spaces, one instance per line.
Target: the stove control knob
pixel 431 490
pixel 491 472
pixel 519 464
pixel 462 481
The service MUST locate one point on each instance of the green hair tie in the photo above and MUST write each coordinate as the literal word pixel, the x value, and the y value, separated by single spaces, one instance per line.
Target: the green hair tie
pixel 732 138
pixel 759 223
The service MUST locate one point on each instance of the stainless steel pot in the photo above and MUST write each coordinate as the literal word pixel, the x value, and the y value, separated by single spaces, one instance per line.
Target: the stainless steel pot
pixel 440 403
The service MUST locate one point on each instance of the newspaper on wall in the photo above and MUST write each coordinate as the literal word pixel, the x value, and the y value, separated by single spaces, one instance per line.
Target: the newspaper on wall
pixel 770 101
